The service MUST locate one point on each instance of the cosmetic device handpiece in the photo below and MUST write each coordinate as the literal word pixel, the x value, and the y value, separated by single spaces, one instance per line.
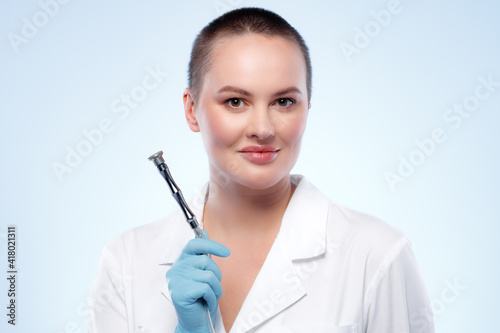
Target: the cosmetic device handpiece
pixel 177 194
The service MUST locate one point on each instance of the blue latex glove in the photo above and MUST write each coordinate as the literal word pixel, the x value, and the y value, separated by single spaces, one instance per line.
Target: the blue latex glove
pixel 195 277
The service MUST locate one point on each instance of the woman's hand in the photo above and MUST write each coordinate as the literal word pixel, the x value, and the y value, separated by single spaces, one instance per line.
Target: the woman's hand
pixel 193 280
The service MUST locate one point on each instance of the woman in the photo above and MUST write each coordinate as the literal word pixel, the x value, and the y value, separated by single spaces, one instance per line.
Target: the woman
pixel 286 257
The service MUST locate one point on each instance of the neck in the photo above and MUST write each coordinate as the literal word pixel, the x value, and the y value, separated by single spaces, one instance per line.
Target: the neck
pixel 233 208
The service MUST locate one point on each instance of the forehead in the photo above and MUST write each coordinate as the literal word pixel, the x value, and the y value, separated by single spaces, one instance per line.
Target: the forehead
pixel 251 61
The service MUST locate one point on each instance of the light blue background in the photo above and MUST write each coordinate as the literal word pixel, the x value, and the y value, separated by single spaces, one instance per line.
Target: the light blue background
pixel 365 113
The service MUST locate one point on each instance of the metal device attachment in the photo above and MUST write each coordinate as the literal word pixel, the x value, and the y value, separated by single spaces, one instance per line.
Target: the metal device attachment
pixel 158 160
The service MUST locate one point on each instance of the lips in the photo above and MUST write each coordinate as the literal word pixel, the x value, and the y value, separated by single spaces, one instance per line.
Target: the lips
pixel 260 154
pixel 259 149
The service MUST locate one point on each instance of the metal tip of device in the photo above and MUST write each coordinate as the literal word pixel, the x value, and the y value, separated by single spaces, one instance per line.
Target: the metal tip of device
pixel 157 158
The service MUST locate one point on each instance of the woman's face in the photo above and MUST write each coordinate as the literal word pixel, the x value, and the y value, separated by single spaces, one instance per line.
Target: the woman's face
pixel 252 109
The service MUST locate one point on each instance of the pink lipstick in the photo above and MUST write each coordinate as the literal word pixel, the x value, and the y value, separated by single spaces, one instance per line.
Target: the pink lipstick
pixel 260 154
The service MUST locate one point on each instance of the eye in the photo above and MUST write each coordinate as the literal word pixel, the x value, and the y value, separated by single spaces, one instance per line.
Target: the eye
pixel 234 102
pixel 285 102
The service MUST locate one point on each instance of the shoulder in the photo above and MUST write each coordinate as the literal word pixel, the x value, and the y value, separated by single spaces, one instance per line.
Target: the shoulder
pixel 367 240
pixel 354 225
pixel 354 234
pixel 344 224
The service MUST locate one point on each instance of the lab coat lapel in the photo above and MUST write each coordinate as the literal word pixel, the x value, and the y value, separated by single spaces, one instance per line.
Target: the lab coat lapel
pixel 276 287
pixel 302 237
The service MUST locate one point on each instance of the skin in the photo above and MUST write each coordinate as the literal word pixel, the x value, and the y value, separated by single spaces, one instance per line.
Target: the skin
pixel 254 94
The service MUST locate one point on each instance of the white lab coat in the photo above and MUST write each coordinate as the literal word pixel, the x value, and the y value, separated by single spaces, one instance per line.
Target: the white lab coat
pixel 330 269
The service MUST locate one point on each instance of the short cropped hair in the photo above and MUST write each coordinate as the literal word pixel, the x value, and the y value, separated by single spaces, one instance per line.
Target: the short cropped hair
pixel 240 22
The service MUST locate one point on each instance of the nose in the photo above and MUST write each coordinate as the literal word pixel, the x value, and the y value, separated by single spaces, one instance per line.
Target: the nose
pixel 260 124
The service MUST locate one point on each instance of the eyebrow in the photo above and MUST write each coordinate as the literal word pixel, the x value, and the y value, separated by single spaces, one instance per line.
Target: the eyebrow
pixel 235 90
pixel 288 91
pixel 246 93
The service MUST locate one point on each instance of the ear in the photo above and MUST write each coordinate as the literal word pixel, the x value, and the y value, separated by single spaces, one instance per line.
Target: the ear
pixel 189 110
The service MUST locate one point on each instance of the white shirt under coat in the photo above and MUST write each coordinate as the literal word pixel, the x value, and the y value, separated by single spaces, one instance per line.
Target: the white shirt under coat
pixel 330 269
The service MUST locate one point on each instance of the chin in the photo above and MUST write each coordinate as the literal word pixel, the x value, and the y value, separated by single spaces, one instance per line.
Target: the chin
pixel 262 179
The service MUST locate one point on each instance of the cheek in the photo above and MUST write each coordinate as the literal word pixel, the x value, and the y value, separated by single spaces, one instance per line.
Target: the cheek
pixel 219 131
pixel 293 130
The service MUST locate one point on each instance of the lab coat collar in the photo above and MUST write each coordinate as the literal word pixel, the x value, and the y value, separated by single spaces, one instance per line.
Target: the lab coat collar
pixel 302 236
pixel 302 232
pixel 303 228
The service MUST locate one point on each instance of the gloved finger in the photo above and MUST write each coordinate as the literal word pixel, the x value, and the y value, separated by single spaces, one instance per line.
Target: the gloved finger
pixel 202 263
pixel 198 246
pixel 210 279
pixel 187 293
pixel 180 280
pixel 210 298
